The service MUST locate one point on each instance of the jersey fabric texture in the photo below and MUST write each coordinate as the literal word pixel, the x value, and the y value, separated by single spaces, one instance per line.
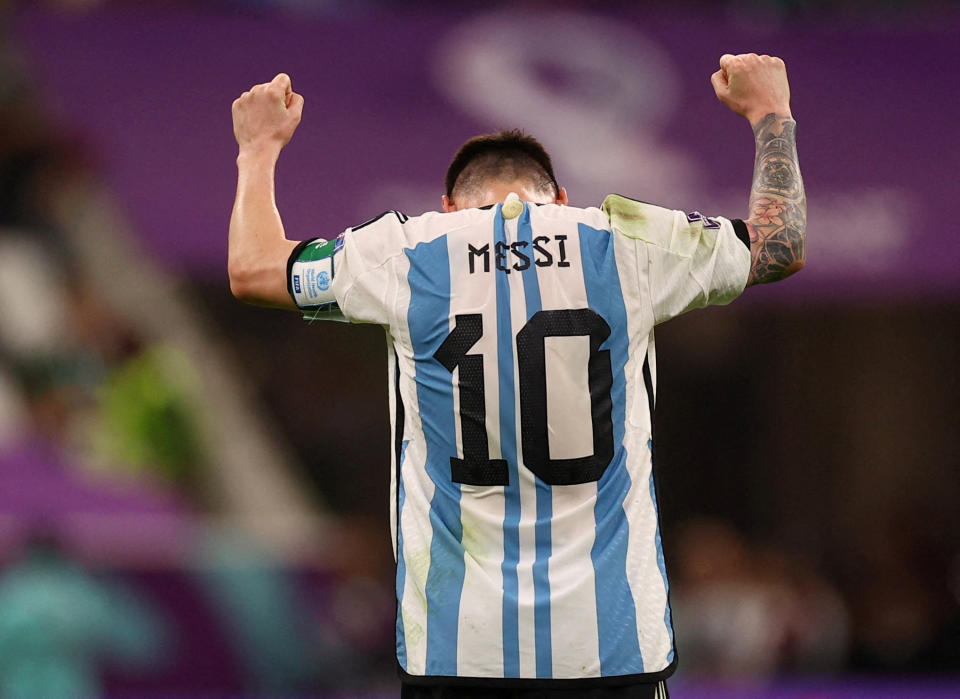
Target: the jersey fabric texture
pixel 522 370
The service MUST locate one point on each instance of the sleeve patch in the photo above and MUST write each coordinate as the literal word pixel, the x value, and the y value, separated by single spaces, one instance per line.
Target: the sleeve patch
pixel 696 216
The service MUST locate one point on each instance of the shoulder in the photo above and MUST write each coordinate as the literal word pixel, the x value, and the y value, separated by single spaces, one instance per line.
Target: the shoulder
pixel 374 243
pixel 399 225
pixel 640 220
pixel 377 231
pixel 375 239
pixel 591 216
pixel 671 229
pixel 390 217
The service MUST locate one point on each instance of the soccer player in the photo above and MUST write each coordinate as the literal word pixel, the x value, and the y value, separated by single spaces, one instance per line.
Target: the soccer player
pixel 522 365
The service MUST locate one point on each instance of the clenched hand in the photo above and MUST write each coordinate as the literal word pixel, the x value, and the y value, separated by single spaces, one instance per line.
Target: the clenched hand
pixel 753 86
pixel 266 116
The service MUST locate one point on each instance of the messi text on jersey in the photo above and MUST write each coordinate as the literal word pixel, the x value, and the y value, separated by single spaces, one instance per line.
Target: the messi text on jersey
pixel 543 251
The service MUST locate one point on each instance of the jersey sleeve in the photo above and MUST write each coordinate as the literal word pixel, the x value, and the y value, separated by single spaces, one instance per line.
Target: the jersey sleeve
pixel 692 260
pixel 348 278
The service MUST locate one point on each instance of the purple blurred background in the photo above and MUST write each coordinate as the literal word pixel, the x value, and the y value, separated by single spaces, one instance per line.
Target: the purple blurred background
pixel 173 467
pixel 620 97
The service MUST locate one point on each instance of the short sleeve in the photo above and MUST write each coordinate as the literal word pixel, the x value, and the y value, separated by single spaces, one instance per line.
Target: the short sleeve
pixel 692 260
pixel 348 278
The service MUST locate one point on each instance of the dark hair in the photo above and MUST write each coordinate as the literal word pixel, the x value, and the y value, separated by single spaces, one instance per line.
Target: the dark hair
pixel 505 155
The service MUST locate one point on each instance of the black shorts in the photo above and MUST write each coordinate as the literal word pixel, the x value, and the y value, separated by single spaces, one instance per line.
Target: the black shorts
pixel 656 690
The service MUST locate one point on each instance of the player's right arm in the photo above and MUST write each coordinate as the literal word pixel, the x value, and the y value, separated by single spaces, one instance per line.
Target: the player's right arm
pixel 264 119
pixel 756 87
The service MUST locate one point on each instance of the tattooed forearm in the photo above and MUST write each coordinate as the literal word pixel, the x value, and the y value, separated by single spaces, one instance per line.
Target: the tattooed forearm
pixel 778 204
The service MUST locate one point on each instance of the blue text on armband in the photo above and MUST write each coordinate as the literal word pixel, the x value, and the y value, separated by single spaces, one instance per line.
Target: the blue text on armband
pixel 312 282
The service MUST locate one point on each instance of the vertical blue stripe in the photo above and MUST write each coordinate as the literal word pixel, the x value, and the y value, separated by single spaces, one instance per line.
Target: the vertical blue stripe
pixel 401 566
pixel 428 319
pixel 542 529
pixel 508 451
pixel 616 615
pixel 668 622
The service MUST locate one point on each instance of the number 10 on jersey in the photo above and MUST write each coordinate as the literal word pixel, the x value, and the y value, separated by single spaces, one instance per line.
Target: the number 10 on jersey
pixel 476 467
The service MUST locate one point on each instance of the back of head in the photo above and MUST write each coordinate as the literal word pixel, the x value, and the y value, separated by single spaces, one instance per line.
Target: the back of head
pixel 505 156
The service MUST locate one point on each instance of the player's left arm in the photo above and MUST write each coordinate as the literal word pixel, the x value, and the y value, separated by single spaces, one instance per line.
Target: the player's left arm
pixel 264 119
pixel 756 87
pixel 778 203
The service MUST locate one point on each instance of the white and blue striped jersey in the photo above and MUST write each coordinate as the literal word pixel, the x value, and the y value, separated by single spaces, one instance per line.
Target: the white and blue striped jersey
pixel 522 367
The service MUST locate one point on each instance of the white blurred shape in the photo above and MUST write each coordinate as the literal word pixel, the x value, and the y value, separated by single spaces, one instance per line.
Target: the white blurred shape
pixel 595 92
pixel 32 298
pixel 860 230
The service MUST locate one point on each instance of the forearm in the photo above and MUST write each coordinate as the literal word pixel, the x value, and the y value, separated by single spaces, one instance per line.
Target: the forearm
pixel 778 204
pixel 258 248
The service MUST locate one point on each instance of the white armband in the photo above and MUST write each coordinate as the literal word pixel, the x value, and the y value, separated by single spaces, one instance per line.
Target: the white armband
pixel 310 273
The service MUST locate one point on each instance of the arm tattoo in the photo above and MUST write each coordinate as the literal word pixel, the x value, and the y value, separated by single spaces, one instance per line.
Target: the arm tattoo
pixel 778 204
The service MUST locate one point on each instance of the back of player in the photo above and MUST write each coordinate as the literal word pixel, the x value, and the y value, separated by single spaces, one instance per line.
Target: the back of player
pixel 524 425
pixel 521 351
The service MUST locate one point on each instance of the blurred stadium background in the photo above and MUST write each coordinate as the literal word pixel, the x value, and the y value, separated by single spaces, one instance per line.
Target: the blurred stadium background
pixel 193 493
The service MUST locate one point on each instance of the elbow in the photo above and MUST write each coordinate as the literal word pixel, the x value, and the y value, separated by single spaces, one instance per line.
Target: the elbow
pixel 800 256
pixel 258 286
pixel 241 284
pixel 239 290
pixel 787 271
pixel 764 271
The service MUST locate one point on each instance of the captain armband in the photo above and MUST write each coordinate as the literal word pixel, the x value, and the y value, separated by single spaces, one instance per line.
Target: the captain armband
pixel 310 274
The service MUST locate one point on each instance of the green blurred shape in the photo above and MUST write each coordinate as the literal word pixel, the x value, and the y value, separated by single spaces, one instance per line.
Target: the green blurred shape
pixel 147 421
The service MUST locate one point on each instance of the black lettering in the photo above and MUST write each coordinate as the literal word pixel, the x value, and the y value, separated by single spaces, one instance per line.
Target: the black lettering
pixel 476 467
pixel 476 252
pixel 547 259
pixel 500 256
pixel 563 251
pixel 534 427
pixel 524 259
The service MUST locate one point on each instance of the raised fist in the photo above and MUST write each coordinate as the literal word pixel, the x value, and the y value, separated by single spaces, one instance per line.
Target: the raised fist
pixel 267 115
pixel 753 86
